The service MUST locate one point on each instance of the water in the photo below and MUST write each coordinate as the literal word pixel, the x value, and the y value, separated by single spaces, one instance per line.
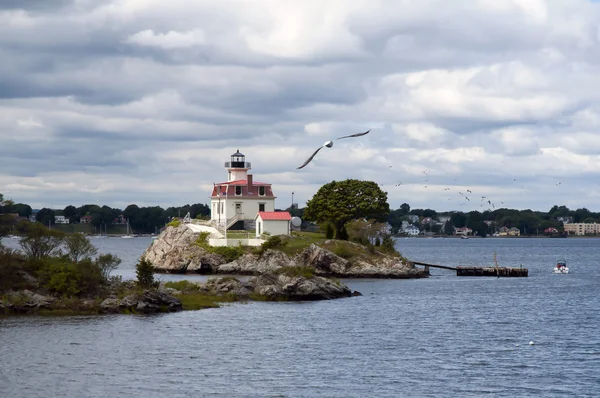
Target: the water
pixel 441 336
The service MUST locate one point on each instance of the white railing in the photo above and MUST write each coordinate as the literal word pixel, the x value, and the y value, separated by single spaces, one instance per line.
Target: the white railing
pixel 234 219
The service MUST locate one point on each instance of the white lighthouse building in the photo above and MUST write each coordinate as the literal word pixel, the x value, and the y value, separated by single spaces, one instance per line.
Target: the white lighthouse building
pixel 235 203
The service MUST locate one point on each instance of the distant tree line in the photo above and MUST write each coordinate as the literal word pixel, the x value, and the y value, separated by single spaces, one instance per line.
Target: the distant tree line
pixel 141 219
pixel 529 222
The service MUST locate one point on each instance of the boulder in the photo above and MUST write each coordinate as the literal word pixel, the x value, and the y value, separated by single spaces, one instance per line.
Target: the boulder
pixel 252 264
pixel 174 251
pixel 110 305
pixel 297 288
pixel 153 301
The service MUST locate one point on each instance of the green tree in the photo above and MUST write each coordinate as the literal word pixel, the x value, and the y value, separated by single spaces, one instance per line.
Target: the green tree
pixel 405 208
pixel 78 247
pixel 38 241
pixel 70 212
pixel 145 273
pixel 448 228
pixel 340 202
pixel 45 216
pixel 107 263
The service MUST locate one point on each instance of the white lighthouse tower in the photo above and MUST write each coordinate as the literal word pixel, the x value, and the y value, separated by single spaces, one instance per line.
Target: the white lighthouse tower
pixel 236 202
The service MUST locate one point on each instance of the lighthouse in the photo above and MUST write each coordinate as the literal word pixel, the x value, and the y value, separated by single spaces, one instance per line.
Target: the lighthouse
pixel 236 201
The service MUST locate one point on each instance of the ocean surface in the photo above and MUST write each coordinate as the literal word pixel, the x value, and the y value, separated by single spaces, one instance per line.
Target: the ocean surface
pixel 444 336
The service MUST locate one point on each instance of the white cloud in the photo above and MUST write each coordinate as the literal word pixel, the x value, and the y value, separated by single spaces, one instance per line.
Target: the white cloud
pixel 142 101
pixel 168 41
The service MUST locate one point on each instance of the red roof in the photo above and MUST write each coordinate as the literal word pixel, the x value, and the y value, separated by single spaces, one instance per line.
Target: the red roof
pixel 275 215
pixel 228 188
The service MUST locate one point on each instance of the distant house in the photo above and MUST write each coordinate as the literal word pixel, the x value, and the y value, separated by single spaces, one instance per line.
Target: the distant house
pixel 274 222
pixel 120 220
pixel 411 230
pixel 87 219
pixel 514 232
pixel 550 231
pixel 61 220
pixel 503 231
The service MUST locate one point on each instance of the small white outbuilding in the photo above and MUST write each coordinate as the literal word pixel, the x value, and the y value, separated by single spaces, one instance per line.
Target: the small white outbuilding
pixel 273 223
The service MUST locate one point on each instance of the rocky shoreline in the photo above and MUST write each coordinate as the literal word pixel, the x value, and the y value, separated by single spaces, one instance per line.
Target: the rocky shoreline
pixel 283 286
pixel 175 251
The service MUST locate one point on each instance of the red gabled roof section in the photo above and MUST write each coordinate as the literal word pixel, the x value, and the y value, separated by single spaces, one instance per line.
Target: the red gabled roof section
pixel 275 215
pixel 228 189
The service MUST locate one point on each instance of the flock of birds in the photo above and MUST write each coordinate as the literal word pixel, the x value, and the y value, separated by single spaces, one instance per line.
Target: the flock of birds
pixel 465 197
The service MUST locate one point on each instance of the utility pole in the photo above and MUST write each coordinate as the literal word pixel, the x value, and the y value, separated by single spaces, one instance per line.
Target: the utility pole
pixel 292 200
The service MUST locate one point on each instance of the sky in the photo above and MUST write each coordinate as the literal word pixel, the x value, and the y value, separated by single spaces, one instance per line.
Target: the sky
pixel 142 101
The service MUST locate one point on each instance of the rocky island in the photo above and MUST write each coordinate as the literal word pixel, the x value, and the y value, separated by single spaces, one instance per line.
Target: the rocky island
pixel 178 249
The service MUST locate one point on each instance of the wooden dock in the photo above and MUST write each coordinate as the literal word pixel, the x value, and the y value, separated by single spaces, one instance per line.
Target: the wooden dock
pixel 462 270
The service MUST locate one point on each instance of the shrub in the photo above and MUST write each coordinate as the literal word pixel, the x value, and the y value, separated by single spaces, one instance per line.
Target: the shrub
pixel 229 253
pixel 387 245
pixel 39 242
pixel 377 241
pixel 174 223
pixel 11 270
pixel 69 279
pixel 274 242
pixel 107 264
pixel 342 250
pixel 183 286
pixel 79 246
pixel 145 273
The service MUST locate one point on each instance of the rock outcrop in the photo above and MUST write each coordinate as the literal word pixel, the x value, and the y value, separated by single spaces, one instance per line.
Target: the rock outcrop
pixel 252 264
pixel 24 301
pixel 175 252
pixel 278 287
pixel 151 301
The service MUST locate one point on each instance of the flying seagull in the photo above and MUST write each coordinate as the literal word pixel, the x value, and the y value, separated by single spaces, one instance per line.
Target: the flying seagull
pixel 354 135
pixel 327 144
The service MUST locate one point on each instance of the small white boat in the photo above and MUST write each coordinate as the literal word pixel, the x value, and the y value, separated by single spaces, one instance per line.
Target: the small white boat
pixel 129 234
pixel 561 267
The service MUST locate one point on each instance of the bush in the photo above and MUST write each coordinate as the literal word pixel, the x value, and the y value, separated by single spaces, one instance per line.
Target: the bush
pixel 387 245
pixel 183 286
pixel 342 250
pixel 79 246
pixel 274 242
pixel 68 279
pixel 377 241
pixel 145 274
pixel 174 223
pixel 229 253
pixel 11 270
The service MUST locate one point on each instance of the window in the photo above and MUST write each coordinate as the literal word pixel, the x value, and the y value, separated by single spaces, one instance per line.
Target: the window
pixel 261 207
pixel 214 212
pixel 259 228
pixel 261 191
pixel 238 190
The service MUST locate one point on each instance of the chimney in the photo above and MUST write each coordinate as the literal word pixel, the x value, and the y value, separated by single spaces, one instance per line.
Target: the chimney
pixel 249 183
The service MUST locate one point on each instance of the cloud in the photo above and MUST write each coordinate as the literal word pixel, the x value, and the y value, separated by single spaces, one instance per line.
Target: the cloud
pixel 127 101
pixel 168 41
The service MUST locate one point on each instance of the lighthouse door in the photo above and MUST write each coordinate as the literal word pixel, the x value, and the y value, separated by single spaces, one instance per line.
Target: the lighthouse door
pixel 238 208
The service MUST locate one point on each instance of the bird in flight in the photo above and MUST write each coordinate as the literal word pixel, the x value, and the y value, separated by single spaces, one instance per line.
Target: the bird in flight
pixel 329 144
pixel 354 135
